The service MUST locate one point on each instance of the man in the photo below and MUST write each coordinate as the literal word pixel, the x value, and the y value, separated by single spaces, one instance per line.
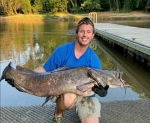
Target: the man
pixel 76 54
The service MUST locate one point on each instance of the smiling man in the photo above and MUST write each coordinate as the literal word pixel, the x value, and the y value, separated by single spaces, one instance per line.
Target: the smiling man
pixel 76 54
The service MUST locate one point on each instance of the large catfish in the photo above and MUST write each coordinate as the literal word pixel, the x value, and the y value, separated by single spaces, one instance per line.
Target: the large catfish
pixel 77 80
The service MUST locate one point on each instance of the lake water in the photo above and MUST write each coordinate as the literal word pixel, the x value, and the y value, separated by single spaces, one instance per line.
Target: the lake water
pixel 30 44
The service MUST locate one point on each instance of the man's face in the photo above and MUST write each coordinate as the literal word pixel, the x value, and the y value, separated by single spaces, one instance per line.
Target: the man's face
pixel 85 34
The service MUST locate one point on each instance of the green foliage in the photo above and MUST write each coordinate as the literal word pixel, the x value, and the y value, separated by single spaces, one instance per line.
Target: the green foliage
pixel 60 6
pixel 91 5
pixel 104 5
pixel 51 16
pixel 148 4
pixel 74 9
pixel 49 5
pixel 6 7
pixel 141 4
pixel 11 7
pixel 37 6
pixel 26 6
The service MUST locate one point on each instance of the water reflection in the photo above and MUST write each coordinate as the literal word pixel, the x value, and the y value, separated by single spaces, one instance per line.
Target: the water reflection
pixel 31 43
pixel 134 74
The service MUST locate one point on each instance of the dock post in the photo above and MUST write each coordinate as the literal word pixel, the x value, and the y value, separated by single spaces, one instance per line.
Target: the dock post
pixel 93 17
pixel 126 52
pixel 145 62
pixel 134 56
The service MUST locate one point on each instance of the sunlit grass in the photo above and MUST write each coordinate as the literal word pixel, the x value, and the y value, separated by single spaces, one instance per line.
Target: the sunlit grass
pixel 26 17
pixel 69 16
pixel 51 16
pixel 132 16
pixel 42 16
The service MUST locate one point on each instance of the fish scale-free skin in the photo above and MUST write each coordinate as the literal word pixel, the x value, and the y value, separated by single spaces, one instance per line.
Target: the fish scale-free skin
pixel 77 80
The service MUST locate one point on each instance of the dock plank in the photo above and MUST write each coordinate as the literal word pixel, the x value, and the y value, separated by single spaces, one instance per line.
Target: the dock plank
pixel 140 34
pixel 133 39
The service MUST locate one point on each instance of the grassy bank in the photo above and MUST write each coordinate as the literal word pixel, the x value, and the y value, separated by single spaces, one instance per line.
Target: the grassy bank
pixel 136 15
pixel 42 17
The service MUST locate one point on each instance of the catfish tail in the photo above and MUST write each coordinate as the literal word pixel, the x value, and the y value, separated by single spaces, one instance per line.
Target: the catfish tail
pixel 5 71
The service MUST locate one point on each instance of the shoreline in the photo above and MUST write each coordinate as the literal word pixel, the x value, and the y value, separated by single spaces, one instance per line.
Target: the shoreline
pixel 58 19
pixel 101 16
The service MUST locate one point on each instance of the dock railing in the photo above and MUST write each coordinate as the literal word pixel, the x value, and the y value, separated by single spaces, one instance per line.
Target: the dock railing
pixel 93 17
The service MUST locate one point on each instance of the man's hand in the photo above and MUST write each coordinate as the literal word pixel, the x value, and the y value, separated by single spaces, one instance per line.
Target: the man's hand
pixel 10 81
pixel 100 90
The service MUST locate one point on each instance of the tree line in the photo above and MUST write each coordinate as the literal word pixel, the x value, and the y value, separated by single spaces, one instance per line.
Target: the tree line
pixel 11 7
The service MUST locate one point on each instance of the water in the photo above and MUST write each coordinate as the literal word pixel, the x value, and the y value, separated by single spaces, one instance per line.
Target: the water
pixel 30 44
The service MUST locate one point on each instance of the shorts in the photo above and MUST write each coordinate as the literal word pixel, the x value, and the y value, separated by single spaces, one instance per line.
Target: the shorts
pixel 85 107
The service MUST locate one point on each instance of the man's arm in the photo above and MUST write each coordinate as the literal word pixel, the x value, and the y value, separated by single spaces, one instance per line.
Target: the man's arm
pixel 40 69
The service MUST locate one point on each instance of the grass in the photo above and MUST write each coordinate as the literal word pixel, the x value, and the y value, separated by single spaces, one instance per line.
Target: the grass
pixel 51 16
pixel 3 15
pixel 26 17
pixel 69 16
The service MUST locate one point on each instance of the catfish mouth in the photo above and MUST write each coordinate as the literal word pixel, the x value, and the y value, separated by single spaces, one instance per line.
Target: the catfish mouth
pixel 121 84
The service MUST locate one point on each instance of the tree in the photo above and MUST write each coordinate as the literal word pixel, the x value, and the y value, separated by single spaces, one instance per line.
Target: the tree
pixel 59 6
pixel 6 7
pixel 147 7
pixel 72 3
pixel 26 6
pixel 16 5
pixel 91 5
pixel 110 5
pixel 37 6
pixel 117 5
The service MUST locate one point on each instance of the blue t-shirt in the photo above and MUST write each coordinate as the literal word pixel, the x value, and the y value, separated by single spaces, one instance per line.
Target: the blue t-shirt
pixel 65 56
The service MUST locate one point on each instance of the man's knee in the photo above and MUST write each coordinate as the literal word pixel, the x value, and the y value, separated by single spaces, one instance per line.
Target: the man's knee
pixel 69 100
pixel 90 120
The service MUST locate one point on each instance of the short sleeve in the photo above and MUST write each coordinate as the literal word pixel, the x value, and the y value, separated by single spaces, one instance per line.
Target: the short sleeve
pixel 52 63
pixel 95 61
pixel 58 58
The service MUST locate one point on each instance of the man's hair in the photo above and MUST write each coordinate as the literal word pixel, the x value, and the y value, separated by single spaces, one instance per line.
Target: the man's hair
pixel 85 20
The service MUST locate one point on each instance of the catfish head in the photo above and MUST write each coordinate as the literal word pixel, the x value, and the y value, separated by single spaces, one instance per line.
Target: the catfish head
pixel 115 80
pixel 106 77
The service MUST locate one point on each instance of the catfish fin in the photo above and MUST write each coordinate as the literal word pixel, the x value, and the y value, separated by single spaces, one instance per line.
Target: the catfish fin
pixel 85 87
pixel 96 76
pixel 61 69
pixel 47 99
pixel 18 88
pixel 26 70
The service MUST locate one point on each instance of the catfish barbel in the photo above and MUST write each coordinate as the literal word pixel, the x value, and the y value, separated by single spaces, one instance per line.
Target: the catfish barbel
pixel 78 80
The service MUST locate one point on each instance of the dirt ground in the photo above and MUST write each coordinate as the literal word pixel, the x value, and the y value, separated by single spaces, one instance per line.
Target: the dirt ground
pixel 130 14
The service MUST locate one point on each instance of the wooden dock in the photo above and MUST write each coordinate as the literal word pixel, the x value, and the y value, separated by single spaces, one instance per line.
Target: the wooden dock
pixel 131 39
